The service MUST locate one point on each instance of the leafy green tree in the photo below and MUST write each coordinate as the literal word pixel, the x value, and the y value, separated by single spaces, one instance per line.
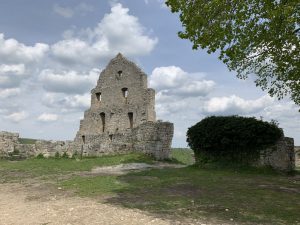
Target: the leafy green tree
pixel 260 37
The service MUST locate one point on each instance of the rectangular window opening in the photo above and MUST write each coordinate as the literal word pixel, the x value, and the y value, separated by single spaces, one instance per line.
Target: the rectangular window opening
pixel 130 117
pixel 102 115
pixel 98 96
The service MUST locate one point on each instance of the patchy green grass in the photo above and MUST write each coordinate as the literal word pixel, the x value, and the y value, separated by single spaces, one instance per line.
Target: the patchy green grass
pixel 36 167
pixel 234 195
pixel 183 155
pixel 27 141
pixel 250 196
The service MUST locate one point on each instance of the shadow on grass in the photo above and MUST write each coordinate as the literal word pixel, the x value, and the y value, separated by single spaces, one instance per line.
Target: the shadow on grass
pixel 249 196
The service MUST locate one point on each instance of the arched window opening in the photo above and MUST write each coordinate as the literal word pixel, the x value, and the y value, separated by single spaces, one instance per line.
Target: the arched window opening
pixel 130 117
pixel 120 73
pixel 102 115
pixel 110 137
pixel 83 139
pixel 98 96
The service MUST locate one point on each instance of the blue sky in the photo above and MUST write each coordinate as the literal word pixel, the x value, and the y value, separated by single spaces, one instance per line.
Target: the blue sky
pixel 51 54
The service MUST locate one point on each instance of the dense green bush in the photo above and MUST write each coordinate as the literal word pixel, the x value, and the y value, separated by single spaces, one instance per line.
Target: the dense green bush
pixel 40 156
pixel 231 138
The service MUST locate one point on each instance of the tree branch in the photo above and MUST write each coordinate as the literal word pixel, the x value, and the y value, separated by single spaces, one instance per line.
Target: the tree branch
pixel 297 30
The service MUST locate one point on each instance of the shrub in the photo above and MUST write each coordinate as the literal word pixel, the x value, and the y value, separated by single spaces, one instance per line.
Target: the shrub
pixel 231 138
pixel 40 156
pixel 56 156
pixel 75 155
pixel 65 155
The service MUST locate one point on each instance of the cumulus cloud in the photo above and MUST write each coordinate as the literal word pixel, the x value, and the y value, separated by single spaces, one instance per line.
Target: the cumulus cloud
pixel 17 117
pixel 117 32
pixel 77 103
pixel 11 75
pixel 47 117
pixel 9 92
pixel 236 105
pixel 68 81
pixel 12 51
pixel 173 81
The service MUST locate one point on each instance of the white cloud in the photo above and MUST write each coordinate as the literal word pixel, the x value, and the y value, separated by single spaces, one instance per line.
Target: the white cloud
pixel 9 92
pixel 173 81
pixel 236 105
pixel 68 81
pixel 11 75
pixel 17 117
pixel 47 117
pixel 77 103
pixel 17 69
pixel 12 51
pixel 167 77
pixel 117 32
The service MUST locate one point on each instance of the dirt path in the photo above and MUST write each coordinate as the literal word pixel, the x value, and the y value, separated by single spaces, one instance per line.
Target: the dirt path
pixel 20 206
pixel 34 202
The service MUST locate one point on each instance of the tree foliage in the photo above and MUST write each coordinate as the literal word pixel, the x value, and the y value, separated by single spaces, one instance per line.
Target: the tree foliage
pixel 233 138
pixel 260 37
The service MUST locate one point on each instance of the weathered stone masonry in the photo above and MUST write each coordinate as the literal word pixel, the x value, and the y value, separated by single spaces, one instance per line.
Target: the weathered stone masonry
pixel 122 115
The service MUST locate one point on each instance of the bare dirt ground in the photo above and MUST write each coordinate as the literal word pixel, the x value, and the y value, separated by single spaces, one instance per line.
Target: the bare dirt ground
pixel 37 203
pixel 128 167
pixel 20 205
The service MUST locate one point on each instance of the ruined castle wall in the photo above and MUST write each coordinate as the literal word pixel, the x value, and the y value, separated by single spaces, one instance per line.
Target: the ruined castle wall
pixel 121 100
pixel 281 156
pixel 49 148
pixel 151 115
pixel 7 143
pixel 154 138
pixel 26 150
pixel 10 146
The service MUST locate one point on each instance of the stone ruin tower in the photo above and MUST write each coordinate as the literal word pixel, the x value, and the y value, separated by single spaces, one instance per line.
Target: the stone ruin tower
pixel 122 115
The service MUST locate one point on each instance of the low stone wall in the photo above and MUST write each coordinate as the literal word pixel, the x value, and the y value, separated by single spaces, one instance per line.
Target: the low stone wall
pixel 10 145
pixel 281 156
pixel 26 150
pixel 7 143
pixel 50 148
